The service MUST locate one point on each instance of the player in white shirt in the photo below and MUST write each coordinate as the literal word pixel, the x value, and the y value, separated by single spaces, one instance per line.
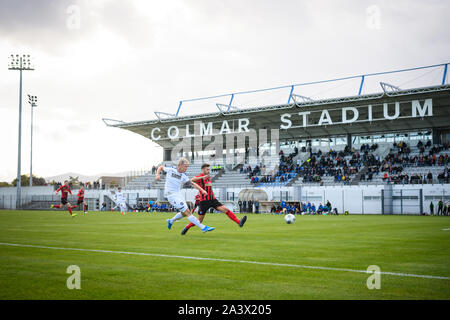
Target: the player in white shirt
pixel 120 201
pixel 175 179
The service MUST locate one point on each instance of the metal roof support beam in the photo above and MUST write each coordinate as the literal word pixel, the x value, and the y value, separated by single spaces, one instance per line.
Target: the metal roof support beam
pixel 292 86
pixel 290 95
pixel 300 100
pixel 179 107
pixel 418 90
pixel 361 86
pixel 111 122
pixel 231 100
pixel 168 115
pixel 224 108
pixel 389 87
pixel 445 74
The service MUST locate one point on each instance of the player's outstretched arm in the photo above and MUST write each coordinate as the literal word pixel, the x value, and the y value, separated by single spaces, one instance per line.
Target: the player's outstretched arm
pixel 157 176
pixel 195 179
pixel 196 186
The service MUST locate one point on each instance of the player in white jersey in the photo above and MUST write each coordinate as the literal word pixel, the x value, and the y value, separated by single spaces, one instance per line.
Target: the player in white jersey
pixel 120 201
pixel 175 179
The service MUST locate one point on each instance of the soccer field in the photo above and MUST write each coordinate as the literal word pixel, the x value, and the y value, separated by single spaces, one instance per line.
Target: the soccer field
pixel 136 257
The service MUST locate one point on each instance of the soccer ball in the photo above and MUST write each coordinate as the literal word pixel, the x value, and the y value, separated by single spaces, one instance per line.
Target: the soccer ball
pixel 289 218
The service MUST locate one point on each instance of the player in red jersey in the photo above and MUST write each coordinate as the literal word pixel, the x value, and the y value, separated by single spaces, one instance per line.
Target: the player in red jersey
pixel 196 202
pixel 208 200
pixel 65 190
pixel 80 200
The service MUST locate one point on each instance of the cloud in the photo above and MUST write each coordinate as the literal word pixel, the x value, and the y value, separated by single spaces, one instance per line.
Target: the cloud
pixel 41 24
pixel 50 25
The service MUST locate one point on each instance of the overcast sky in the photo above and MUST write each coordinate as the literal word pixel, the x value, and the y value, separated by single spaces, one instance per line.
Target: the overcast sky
pixel 126 59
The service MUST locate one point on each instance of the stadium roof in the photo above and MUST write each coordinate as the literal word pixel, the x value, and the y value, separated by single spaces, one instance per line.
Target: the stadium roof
pixel 325 116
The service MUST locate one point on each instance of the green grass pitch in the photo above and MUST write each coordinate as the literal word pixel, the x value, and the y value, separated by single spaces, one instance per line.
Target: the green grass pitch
pixel 414 245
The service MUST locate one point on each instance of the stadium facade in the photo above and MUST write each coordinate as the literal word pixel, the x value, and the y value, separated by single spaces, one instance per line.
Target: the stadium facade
pixel 237 137
pixel 327 138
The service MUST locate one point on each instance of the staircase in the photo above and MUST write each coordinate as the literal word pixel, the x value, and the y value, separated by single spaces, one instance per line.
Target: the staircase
pixel 217 175
pixel 355 181
pixel 229 179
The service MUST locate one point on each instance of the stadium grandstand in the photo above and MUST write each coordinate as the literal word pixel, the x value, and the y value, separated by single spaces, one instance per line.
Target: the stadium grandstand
pixel 381 147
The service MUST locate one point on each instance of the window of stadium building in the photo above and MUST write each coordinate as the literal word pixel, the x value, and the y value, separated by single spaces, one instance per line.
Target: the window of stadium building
pixel 394 137
pixel 324 142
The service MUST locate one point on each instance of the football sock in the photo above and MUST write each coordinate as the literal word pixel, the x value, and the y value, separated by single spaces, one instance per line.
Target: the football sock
pixel 195 221
pixel 56 206
pixel 70 210
pixel 190 225
pixel 232 216
pixel 74 206
pixel 178 216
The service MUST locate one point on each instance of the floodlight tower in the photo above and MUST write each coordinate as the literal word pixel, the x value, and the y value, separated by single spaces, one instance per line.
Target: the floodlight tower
pixel 21 63
pixel 32 100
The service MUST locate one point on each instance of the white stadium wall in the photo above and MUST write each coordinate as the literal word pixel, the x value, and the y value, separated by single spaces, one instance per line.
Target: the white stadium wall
pixel 366 199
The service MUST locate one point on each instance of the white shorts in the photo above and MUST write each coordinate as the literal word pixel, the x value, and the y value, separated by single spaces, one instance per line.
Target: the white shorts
pixel 177 201
pixel 122 206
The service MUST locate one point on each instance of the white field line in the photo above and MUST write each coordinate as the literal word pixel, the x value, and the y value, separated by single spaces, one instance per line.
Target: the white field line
pixel 228 260
pixel 448 229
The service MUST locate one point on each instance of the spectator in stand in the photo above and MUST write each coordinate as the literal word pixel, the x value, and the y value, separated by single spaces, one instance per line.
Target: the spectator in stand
pixel 430 177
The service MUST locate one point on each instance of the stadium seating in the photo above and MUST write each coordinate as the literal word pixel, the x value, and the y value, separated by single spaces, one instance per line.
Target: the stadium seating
pixel 413 164
pixel 363 164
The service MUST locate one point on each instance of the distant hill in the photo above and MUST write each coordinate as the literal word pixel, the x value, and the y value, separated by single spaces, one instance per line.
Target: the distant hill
pixel 82 177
